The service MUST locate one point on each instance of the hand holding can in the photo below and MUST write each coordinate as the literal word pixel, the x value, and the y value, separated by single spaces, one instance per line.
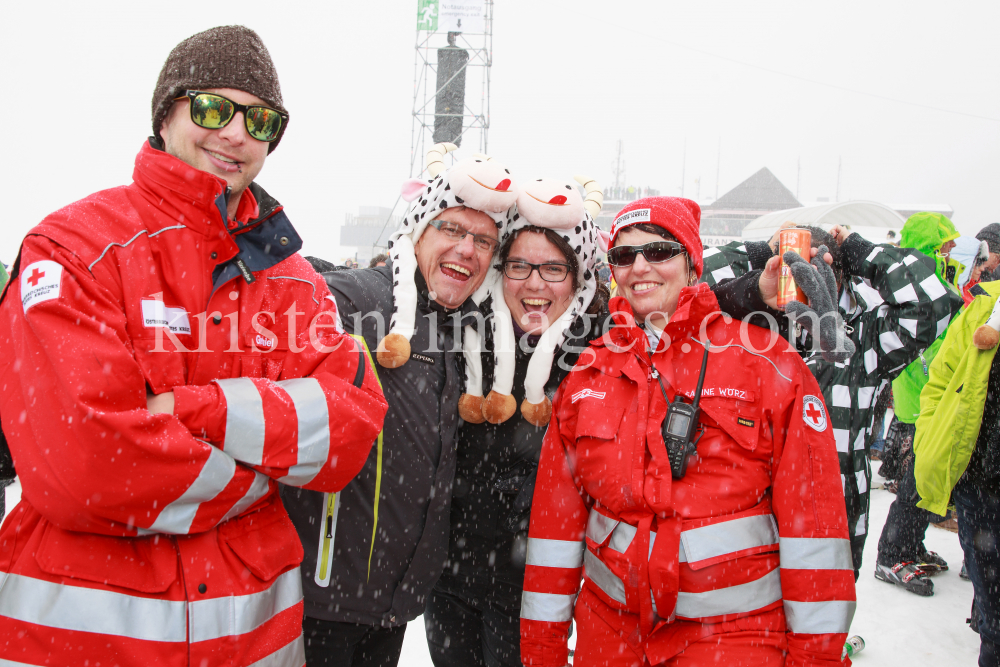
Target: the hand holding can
pixel 798 241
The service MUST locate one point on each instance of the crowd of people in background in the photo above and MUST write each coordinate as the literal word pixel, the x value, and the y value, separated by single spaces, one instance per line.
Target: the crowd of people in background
pixel 513 422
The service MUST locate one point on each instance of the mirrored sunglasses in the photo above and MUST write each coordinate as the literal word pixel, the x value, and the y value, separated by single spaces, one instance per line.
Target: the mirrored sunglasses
pixel 214 112
pixel 655 252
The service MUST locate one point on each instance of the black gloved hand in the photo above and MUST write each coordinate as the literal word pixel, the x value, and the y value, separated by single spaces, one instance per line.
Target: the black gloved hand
pixel 820 286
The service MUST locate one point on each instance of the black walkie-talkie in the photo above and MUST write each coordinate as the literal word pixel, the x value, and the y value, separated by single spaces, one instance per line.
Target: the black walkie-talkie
pixel 680 429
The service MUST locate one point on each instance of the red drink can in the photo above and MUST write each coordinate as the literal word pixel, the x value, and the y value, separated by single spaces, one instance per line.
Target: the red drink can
pixel 798 241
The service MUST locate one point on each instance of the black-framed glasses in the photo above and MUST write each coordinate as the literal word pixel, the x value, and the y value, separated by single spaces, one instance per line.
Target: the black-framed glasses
pixel 213 112
pixel 655 252
pixel 551 272
pixel 456 232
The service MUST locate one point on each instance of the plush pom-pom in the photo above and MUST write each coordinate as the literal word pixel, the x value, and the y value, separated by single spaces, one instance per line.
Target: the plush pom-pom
pixel 986 337
pixel 470 408
pixel 393 351
pixel 498 408
pixel 537 414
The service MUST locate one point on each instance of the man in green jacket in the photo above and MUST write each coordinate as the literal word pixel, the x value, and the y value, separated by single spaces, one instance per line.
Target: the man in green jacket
pixel 957 450
pixel 902 558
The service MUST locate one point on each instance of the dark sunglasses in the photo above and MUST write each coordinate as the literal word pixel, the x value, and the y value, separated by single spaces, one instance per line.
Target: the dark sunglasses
pixel 655 252
pixel 214 112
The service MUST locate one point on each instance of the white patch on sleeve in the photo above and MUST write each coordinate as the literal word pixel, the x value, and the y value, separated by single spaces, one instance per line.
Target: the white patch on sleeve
pixel 814 413
pixel 336 315
pixel 890 341
pixel 724 273
pixel 157 314
pixel 40 281
pixel 871 361
pixel 909 259
pixel 932 287
pixel 842 437
pixel 865 395
pixel 909 325
pixel 942 324
pixel 874 253
pixel 906 293
pixel 709 252
pixel 840 396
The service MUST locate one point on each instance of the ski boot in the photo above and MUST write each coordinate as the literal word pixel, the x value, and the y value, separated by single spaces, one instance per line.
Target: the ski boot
pixel 906 575
pixel 930 563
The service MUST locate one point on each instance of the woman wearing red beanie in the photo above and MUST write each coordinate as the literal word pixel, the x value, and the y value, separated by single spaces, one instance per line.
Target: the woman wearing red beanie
pixel 690 467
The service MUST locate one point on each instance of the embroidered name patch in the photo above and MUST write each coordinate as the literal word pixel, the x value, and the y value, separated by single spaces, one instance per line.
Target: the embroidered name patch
pixel 421 357
pixel 587 393
pixel 40 282
pixel 814 413
pixel 743 421
pixel 157 314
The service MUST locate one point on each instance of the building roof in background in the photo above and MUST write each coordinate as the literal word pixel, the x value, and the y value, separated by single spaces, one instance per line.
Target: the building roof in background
pixel 761 192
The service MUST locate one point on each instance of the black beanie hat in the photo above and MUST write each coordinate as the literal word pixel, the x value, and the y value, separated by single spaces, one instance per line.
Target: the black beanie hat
pixel 991 234
pixel 231 56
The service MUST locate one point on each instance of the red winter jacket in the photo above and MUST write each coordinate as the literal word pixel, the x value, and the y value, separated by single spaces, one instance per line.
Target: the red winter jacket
pixel 160 539
pixel 754 537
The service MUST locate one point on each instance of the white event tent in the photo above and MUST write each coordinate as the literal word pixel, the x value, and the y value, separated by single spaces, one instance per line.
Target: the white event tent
pixel 872 220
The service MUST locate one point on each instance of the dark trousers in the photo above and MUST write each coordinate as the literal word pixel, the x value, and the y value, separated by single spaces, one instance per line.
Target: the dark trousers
pixel 334 644
pixel 460 635
pixel 979 532
pixel 902 537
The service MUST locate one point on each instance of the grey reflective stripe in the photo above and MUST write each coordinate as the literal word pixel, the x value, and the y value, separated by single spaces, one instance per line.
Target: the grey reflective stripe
pixel 740 599
pixel 599 526
pixel 314 430
pixel 719 539
pixel 554 553
pixel 258 489
pixel 129 242
pixel 622 537
pixel 239 614
pixel 550 607
pixel 215 476
pixel 816 553
pixel 64 607
pixel 290 655
pixel 603 577
pixel 244 421
pixel 11 663
pixel 817 618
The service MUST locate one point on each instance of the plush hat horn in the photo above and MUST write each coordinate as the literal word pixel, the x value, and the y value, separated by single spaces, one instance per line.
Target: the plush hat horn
pixel 555 205
pixel 478 183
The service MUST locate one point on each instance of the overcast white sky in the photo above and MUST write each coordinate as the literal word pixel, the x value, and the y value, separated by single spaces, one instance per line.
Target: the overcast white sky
pixel 569 80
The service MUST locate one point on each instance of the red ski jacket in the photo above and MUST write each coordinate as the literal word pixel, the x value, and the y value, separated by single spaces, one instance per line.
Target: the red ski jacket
pixel 160 539
pixel 753 537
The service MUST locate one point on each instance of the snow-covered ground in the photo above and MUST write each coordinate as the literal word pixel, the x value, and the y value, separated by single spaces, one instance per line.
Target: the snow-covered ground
pixel 899 628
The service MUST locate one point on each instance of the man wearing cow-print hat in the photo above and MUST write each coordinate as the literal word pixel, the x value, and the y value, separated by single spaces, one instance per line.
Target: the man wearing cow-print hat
pixel 374 550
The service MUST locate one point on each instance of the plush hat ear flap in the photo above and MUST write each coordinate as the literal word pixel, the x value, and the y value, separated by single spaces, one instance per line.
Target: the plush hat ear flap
pixel 411 188
pixel 987 336
pixel 394 350
pixel 470 404
pixel 603 240
pixel 500 404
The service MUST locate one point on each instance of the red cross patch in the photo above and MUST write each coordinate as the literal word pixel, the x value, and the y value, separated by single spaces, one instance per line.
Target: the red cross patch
pixel 814 413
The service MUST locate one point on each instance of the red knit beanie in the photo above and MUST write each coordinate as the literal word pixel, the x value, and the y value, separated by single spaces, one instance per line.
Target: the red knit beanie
pixel 680 217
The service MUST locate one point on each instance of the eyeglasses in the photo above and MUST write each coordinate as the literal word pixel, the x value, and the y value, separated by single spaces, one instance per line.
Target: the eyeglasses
pixel 213 112
pixel 515 269
pixel 655 252
pixel 456 232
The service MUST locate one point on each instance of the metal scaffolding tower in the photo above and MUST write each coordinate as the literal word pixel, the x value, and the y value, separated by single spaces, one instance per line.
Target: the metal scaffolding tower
pixel 475 112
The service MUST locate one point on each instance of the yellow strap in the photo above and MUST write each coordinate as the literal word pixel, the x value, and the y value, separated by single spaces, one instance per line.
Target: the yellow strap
pixel 331 506
pixel 378 463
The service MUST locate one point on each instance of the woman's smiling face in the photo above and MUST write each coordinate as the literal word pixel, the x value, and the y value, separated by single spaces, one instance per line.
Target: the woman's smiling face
pixel 650 288
pixel 535 303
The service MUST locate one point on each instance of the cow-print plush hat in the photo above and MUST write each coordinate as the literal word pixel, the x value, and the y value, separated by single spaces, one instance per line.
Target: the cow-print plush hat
pixel 479 183
pixel 556 205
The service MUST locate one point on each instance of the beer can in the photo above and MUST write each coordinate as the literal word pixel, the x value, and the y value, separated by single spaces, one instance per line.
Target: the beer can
pixel 799 241
pixel 852 647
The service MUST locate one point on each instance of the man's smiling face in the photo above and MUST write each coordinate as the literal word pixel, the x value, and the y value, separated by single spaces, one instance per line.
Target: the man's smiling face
pixel 229 153
pixel 453 271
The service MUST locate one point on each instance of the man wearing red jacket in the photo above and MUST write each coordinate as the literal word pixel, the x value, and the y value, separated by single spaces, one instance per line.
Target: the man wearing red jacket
pixel 168 359
pixel 743 558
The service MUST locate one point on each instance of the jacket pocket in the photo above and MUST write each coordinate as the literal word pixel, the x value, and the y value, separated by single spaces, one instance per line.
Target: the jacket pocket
pixel 604 453
pixel 741 422
pixel 264 541
pixel 144 564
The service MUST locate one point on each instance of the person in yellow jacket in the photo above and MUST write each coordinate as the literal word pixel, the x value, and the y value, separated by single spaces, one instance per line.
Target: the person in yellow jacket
pixel 957 450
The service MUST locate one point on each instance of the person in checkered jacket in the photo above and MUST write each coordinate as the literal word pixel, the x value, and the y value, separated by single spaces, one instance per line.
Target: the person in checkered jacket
pixel 893 307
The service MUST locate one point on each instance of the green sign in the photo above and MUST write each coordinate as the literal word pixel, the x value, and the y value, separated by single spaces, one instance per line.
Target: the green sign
pixel 427 15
